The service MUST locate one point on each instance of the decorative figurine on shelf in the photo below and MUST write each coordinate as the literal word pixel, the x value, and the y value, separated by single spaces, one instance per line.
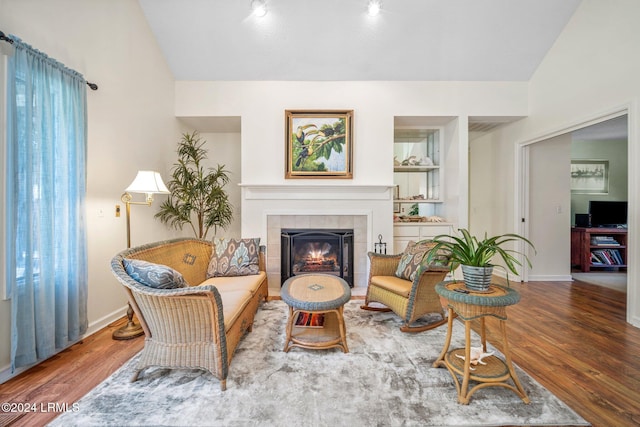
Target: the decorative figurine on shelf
pixel 409 161
pixel 435 218
pixel 413 161
pixel 476 356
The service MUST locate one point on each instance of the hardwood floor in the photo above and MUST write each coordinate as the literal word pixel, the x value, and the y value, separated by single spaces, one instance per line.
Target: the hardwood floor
pixel 571 337
pixel 66 377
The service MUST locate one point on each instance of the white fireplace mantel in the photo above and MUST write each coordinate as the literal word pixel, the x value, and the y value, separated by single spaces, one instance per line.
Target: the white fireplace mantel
pixel 267 208
pixel 316 192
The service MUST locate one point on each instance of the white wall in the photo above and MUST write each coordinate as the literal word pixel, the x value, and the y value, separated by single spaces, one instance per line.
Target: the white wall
pixel 483 165
pixel 549 212
pixel 262 104
pixel 224 149
pixel 591 71
pixel 131 125
pixel 456 172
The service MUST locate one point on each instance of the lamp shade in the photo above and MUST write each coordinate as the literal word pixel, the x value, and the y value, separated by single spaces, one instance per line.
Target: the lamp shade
pixel 149 182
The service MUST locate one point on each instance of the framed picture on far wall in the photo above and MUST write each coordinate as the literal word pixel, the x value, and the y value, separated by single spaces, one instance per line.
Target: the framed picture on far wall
pixel 590 176
pixel 318 144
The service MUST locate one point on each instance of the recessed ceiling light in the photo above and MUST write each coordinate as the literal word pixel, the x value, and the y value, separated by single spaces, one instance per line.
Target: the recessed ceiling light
pixel 374 7
pixel 259 7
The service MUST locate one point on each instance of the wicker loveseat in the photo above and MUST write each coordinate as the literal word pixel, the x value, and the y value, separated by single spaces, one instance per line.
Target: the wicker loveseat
pixel 198 326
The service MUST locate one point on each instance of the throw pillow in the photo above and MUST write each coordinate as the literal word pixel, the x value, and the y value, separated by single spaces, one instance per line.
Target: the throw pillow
pixel 157 276
pixel 412 258
pixel 233 257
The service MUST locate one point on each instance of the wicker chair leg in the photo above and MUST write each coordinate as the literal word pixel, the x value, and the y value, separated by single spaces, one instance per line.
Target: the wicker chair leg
pixel 223 385
pixel 414 329
pixel 135 375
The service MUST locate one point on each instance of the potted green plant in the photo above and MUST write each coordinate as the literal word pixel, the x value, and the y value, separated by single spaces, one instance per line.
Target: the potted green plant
pixel 475 256
pixel 197 195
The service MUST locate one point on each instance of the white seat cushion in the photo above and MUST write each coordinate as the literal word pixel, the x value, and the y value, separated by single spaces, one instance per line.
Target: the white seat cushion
pixel 237 283
pixel 233 302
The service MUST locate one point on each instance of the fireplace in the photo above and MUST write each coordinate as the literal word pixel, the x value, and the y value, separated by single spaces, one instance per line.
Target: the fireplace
pixel 309 251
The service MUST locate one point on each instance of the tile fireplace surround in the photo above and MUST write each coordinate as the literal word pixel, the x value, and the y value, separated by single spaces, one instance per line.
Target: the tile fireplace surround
pixel 367 209
pixel 356 222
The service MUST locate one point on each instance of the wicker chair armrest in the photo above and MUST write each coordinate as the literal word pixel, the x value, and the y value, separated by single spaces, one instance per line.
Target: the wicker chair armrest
pixel 445 268
pixel 203 290
pixel 192 314
pixel 423 276
pixel 383 265
pixel 423 285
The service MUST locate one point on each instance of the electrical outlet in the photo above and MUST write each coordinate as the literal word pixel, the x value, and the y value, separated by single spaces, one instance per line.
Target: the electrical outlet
pixel 100 213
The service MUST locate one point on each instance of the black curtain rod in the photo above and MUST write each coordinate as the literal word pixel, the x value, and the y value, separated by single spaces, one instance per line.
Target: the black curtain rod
pixel 3 37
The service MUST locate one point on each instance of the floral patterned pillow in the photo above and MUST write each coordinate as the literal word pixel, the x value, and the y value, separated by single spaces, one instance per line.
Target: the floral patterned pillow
pixel 412 258
pixel 233 257
pixel 157 276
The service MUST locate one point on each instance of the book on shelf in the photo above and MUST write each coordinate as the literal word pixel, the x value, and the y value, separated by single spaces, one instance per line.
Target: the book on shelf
pixel 604 241
pixel 606 257
pixel 616 255
pixel 310 320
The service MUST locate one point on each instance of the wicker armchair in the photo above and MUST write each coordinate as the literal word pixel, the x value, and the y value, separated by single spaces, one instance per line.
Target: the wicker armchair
pixel 196 327
pixel 410 300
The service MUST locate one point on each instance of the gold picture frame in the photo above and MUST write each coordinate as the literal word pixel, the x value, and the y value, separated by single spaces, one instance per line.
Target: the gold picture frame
pixel 319 144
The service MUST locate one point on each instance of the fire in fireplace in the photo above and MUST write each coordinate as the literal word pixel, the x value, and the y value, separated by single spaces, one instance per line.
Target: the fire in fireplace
pixel 307 251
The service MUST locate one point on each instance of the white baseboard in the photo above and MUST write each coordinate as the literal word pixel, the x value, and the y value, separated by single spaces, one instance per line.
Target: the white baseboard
pixel 95 326
pixel 106 320
pixel 534 278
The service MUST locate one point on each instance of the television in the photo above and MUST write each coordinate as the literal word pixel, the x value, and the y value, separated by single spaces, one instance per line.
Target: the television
pixel 605 213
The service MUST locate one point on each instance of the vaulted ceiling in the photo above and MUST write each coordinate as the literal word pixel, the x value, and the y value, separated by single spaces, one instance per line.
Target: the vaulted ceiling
pixel 333 40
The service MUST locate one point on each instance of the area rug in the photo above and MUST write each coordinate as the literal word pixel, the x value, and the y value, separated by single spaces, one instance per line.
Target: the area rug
pixel 386 379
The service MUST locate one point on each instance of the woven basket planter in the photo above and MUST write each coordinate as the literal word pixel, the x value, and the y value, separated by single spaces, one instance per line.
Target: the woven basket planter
pixel 477 278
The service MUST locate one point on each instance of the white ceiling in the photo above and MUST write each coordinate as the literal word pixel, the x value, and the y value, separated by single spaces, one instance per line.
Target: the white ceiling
pixel 306 40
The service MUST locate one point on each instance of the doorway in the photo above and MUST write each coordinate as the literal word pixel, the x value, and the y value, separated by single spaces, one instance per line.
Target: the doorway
pixel 524 199
pixel 554 203
pixel 601 149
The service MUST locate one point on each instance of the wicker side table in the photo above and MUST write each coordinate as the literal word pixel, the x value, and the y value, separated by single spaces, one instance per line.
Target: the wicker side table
pixel 316 294
pixel 469 306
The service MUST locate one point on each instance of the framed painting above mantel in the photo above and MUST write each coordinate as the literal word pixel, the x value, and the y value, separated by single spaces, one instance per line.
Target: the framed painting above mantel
pixel 318 144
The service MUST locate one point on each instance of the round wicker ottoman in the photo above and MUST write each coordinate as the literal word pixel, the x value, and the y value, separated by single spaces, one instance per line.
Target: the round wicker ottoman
pixel 316 303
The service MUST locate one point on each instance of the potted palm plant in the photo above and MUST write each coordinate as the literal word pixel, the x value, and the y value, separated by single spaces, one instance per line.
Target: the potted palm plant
pixel 475 256
pixel 197 194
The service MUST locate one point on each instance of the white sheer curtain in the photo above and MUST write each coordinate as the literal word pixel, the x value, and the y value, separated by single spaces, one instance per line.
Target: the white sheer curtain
pixel 46 186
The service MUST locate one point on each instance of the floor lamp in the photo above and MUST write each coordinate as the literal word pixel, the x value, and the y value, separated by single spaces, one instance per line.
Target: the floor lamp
pixel 149 183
